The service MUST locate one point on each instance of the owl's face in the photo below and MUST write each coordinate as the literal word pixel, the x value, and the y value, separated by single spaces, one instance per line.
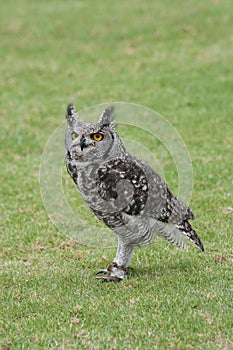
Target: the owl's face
pixel 87 142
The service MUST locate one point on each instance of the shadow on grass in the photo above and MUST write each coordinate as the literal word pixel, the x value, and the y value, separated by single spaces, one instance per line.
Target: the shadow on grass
pixel 177 266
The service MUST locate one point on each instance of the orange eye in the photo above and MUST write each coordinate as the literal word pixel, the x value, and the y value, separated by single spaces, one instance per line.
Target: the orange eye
pixel 97 136
pixel 74 135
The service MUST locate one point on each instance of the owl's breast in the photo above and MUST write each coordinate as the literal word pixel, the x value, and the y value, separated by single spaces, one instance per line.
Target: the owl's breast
pixel 86 183
pixel 116 191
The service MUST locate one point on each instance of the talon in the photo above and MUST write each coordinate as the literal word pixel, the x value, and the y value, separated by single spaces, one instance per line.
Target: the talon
pixel 104 271
pixel 109 278
pixel 113 273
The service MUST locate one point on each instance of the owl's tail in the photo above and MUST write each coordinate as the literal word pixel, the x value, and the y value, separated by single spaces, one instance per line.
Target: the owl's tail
pixel 189 232
pixel 176 233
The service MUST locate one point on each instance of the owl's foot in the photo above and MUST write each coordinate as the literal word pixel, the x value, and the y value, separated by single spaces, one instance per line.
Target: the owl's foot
pixel 113 273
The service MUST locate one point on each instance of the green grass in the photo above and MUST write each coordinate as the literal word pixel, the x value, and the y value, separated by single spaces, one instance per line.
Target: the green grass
pixel 174 57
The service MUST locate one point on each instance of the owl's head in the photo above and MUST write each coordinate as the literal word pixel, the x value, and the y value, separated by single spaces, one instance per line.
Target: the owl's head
pixel 90 142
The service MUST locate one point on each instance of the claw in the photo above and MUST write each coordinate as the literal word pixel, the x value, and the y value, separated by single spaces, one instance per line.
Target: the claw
pixel 113 273
pixel 104 271
pixel 109 278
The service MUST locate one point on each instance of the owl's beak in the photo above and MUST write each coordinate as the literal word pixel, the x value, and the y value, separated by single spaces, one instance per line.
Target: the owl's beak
pixel 83 143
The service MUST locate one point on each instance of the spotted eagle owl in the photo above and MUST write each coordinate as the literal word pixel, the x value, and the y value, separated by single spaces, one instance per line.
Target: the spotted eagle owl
pixel 123 191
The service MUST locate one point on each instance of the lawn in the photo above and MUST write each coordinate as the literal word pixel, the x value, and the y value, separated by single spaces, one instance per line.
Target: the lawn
pixel 173 57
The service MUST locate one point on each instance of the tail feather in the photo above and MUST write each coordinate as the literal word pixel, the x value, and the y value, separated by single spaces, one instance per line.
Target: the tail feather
pixel 171 233
pixel 189 232
pixel 176 234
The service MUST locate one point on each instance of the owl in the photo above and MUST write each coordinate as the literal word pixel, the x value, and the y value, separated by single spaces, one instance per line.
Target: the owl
pixel 122 191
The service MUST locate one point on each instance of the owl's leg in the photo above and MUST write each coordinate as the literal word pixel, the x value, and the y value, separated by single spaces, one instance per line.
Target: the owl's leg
pixel 123 254
pixel 117 271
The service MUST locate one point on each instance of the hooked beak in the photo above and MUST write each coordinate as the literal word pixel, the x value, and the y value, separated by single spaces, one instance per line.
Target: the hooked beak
pixel 83 143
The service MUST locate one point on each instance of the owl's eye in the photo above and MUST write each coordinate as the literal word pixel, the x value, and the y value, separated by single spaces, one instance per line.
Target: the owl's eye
pixel 74 135
pixel 98 136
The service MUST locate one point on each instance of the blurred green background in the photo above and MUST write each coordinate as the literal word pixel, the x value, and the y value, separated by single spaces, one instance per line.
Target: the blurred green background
pixel 173 57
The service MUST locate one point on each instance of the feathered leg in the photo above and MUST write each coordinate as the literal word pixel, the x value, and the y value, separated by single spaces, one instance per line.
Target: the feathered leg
pixel 118 269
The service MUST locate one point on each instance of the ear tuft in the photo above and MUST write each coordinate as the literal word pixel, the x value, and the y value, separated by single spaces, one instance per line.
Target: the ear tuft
pixel 107 116
pixel 71 115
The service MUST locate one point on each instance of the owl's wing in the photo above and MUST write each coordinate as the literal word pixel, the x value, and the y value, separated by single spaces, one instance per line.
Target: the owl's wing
pixel 123 181
pixel 133 188
pixel 170 215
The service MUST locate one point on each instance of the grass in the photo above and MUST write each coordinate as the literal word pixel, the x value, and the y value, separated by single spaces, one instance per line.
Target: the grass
pixel 174 57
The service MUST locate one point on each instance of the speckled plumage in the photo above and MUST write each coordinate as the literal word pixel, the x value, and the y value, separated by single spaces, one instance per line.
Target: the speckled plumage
pixel 123 191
